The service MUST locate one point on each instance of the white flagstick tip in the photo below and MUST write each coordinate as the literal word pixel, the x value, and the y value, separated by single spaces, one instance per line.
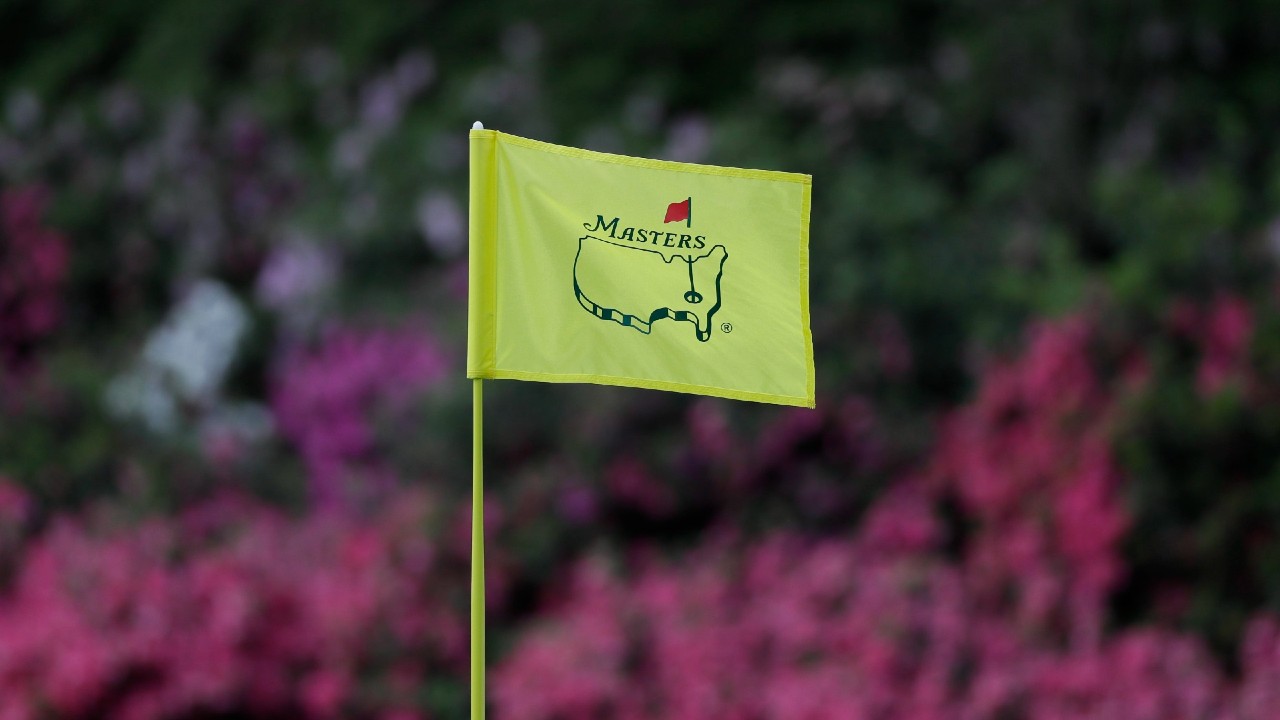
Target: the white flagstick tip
pixel 477 125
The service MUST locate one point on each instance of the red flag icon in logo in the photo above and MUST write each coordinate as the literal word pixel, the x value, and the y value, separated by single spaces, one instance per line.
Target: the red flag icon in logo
pixel 680 211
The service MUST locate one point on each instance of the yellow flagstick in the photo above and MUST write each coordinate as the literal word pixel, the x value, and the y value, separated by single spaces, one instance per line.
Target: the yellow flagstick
pixel 477 552
pixel 477 543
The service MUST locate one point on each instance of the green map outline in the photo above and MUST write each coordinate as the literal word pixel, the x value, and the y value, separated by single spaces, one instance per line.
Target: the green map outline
pixel 635 321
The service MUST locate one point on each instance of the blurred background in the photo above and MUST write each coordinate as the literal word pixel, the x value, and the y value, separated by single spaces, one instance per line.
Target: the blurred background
pixel 1042 480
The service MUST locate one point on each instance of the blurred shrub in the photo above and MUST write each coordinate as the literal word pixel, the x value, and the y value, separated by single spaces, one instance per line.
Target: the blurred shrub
pixel 327 402
pixel 229 608
pixel 979 589
pixel 33 271
pixel 1103 505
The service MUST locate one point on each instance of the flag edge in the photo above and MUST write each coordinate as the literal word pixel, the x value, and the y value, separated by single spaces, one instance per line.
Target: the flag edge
pixel 811 379
pixel 641 383
pixel 654 163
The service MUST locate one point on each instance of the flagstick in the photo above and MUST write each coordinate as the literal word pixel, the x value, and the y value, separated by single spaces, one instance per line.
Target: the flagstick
pixel 477 542
pixel 477 551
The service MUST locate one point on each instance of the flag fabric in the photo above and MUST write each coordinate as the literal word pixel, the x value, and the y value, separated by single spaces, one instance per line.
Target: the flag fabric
pixel 576 276
pixel 680 211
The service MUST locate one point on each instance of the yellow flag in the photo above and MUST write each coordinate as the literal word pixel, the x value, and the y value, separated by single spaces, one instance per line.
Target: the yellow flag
pixel 591 267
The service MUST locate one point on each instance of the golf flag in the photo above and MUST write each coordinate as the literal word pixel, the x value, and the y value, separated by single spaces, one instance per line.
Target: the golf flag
pixel 592 267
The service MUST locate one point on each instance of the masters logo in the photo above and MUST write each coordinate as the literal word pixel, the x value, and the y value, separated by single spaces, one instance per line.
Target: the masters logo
pixel 636 276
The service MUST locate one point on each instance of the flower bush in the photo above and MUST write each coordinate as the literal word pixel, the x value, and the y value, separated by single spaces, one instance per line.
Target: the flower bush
pixel 228 608
pixel 791 628
pixel 328 403
pixel 34 263
pixel 999 612
pixel 1030 466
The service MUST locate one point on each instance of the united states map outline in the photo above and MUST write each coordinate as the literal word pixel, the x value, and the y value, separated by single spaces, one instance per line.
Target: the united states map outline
pixel 642 324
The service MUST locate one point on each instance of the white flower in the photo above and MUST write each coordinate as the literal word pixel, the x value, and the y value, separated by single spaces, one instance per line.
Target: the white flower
pixel 185 360
pixel 194 348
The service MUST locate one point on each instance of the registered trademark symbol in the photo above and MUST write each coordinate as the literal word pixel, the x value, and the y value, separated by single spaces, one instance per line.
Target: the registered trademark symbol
pixel 726 327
